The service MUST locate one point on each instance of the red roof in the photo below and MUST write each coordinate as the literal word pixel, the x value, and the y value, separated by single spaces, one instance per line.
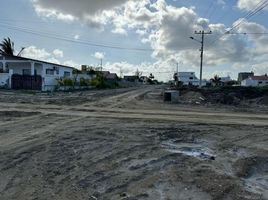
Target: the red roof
pixel 259 78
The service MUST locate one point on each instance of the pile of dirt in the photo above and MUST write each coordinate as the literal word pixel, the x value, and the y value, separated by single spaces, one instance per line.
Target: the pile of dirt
pixel 192 97
pixel 226 95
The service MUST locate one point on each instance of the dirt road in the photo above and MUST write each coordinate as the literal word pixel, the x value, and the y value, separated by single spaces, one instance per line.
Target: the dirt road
pixel 128 144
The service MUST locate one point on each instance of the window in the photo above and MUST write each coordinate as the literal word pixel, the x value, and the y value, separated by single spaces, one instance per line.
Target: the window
pixel 56 69
pixel 26 72
pixel 50 71
pixel 191 78
pixel 260 82
pixel 67 74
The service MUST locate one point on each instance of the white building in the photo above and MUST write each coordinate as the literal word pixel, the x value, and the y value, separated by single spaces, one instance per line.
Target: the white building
pixel 225 79
pixel 189 78
pixel 25 73
pixel 255 81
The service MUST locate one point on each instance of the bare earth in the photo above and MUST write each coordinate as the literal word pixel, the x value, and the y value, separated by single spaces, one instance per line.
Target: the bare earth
pixel 128 144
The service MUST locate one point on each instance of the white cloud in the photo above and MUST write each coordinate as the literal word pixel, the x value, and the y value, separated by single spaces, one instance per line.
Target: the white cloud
pixel 44 12
pixel 77 37
pixel 72 63
pixel 99 55
pixel 166 29
pixel 69 10
pixel 119 30
pixel 39 54
pixel 250 4
pixel 58 53
pixel 260 68
pixel 35 53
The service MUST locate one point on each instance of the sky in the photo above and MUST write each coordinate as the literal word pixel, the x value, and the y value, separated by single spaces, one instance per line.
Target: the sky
pixel 152 36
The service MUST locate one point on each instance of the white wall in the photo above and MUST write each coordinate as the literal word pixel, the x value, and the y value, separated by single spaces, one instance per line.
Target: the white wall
pixel 4 79
pixel 189 77
pixel 254 83
pixel 18 67
pixel 50 81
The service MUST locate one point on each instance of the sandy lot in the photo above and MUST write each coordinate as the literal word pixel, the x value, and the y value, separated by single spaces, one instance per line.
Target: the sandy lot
pixel 128 144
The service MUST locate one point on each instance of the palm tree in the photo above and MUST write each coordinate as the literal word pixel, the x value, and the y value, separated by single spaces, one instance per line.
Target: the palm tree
pixel 216 80
pixel 7 47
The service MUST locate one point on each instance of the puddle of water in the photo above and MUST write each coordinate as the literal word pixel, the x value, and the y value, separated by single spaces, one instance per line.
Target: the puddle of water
pixel 190 149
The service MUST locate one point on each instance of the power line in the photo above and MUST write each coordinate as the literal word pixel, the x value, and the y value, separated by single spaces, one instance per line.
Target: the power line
pixel 234 33
pixel 259 7
pixel 66 39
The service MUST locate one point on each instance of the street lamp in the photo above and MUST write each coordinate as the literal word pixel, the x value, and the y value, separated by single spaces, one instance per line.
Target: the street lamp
pixel 22 48
pixel 195 39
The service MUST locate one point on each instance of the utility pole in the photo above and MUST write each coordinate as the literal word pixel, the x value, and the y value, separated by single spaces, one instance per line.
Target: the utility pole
pixel 177 74
pixel 101 64
pixel 121 72
pixel 202 33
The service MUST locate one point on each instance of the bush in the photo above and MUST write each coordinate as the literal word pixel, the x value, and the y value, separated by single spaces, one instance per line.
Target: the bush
pixel 65 82
pixel 84 82
pixel 99 82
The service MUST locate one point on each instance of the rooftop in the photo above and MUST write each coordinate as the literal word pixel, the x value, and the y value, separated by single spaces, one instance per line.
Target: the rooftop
pixel 259 78
pixel 7 57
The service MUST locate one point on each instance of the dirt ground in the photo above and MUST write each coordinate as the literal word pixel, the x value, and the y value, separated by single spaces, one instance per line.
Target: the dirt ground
pixel 128 144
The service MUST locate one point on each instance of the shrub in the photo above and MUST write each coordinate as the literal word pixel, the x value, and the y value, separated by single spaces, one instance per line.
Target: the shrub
pixel 65 82
pixel 99 82
pixel 84 82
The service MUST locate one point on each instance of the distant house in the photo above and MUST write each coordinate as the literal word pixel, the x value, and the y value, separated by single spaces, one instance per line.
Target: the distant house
pixel 112 76
pixel 188 78
pixel 244 75
pixel 222 81
pixel 225 79
pixel 84 74
pixel 131 78
pixel 25 73
pixel 108 75
pixel 144 79
pixel 255 81
pixel 103 73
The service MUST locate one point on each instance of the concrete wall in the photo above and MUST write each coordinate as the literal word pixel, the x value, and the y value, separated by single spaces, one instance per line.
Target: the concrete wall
pixel 19 67
pixel 188 78
pixel 50 81
pixel 254 83
pixel 4 79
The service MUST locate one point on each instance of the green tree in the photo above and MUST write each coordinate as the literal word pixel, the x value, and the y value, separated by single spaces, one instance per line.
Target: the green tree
pixel 151 76
pixel 216 80
pixel 7 47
